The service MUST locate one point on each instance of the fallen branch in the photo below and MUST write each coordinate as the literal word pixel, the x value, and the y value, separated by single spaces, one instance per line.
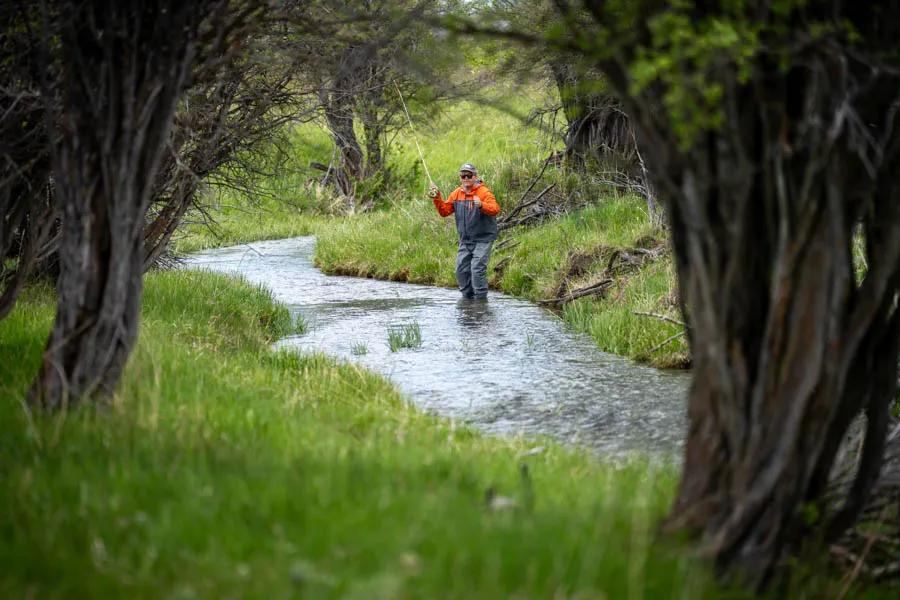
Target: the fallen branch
pixel 507 244
pixel 500 266
pixel 505 222
pixel 660 317
pixel 620 261
pixel 596 288
pixel 664 342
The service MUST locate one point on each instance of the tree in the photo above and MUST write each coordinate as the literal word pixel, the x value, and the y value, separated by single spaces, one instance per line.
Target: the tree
pixel 597 136
pixel 596 125
pixel 770 131
pixel 27 212
pixel 228 123
pixel 357 56
pixel 122 69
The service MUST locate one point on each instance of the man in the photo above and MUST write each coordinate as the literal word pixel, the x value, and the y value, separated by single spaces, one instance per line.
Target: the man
pixel 476 210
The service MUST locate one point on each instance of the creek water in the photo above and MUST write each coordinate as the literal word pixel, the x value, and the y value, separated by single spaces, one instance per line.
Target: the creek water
pixel 505 366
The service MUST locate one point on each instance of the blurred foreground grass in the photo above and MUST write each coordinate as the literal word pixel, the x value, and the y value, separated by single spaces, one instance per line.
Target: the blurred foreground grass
pixel 223 468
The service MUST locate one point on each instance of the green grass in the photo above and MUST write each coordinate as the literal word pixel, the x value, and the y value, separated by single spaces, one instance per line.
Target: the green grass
pixel 288 204
pixel 222 468
pixel 236 224
pixel 404 336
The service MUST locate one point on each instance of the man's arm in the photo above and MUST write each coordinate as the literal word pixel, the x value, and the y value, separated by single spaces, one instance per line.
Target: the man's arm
pixel 444 208
pixel 489 204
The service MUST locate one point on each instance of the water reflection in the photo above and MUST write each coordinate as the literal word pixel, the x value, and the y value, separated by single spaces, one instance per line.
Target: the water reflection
pixel 474 315
pixel 503 365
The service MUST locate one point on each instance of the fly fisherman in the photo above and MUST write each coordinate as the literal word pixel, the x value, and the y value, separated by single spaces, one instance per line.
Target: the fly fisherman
pixel 476 209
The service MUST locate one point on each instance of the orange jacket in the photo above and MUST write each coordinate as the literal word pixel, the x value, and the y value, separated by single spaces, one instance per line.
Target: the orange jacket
pixel 472 224
pixel 489 204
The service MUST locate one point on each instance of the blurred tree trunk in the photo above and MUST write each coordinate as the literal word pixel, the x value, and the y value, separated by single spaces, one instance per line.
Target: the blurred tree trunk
pixel 789 342
pixel 123 69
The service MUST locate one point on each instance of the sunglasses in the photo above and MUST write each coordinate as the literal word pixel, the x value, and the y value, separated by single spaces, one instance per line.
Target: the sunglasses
pixel 466 175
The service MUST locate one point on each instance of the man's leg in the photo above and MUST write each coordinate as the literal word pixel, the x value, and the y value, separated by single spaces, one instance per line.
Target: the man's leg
pixel 464 269
pixel 481 254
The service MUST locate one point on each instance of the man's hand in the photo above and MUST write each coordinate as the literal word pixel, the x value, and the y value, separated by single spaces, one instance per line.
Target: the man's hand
pixel 477 203
pixel 433 191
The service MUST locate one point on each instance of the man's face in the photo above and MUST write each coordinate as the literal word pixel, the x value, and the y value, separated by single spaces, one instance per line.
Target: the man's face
pixel 467 180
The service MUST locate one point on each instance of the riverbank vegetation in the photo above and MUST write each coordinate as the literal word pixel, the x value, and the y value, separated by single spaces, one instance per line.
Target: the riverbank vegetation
pixel 221 467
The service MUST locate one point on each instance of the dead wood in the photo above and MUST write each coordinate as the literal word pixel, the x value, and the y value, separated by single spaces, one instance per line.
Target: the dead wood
pixel 660 317
pixel 509 221
pixel 619 261
pixel 597 289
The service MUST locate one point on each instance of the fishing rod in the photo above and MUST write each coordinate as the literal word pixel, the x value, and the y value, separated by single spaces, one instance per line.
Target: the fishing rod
pixel 431 193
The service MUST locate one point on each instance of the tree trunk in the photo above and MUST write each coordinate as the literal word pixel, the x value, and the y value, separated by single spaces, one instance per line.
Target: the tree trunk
pixel 787 348
pixel 769 163
pixel 30 235
pixel 372 109
pixel 158 233
pixel 338 103
pixel 596 124
pixel 124 71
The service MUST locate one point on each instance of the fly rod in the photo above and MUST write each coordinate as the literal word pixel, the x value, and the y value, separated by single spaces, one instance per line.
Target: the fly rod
pixel 415 139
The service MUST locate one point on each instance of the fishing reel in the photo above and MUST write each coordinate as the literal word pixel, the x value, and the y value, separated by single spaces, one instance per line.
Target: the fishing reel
pixel 433 192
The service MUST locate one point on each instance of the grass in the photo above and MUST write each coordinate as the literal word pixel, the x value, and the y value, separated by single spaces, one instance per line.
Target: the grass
pixel 404 336
pixel 223 468
pixel 236 224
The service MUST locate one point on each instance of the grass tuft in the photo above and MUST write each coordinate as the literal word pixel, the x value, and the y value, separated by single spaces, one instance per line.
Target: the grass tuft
pixel 404 336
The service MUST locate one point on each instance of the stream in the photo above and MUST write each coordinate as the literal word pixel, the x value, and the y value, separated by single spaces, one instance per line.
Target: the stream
pixel 505 366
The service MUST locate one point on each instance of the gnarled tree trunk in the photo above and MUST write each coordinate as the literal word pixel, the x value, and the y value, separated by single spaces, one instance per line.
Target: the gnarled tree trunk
pixel 596 124
pixel 766 188
pixel 788 347
pixel 124 68
pixel 338 103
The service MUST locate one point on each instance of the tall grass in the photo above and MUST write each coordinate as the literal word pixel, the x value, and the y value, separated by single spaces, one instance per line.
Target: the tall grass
pixel 222 468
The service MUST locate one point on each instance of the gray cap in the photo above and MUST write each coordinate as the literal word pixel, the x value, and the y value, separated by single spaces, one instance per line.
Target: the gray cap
pixel 468 167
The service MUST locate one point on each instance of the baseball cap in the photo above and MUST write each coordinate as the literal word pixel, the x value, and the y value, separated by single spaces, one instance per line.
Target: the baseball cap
pixel 468 167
